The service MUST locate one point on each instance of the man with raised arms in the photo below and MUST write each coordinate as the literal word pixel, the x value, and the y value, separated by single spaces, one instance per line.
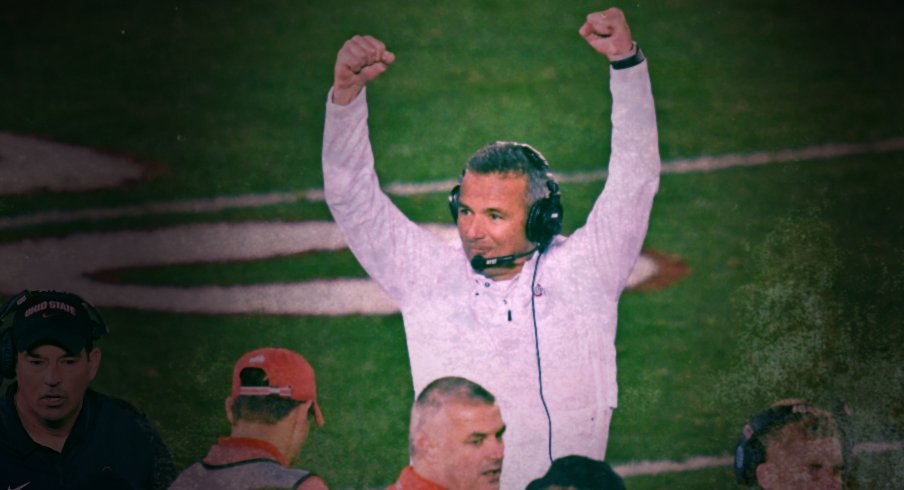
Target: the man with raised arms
pixel 516 307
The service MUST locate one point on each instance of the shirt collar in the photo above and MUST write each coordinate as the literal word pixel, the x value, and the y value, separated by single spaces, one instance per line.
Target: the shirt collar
pixel 410 480
pixel 254 445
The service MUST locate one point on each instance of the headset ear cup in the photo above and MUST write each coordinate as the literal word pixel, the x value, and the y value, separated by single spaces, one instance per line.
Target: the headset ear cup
pixel 554 215
pixel 749 454
pixel 7 346
pixel 99 327
pixel 7 355
pixel 544 220
pixel 98 330
pixel 453 202
pixel 532 228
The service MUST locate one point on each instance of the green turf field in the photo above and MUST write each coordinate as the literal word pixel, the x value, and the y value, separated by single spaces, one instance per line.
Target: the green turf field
pixel 797 269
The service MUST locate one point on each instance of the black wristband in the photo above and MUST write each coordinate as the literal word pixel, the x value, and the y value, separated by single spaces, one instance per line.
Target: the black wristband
pixel 633 60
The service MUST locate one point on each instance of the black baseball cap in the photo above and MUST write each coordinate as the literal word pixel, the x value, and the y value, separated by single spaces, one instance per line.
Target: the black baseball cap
pixel 53 317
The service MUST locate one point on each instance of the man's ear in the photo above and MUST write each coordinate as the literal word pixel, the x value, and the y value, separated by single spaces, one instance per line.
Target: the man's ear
pixel 93 362
pixel 765 475
pixel 228 405
pixel 302 411
pixel 300 429
pixel 301 426
pixel 424 445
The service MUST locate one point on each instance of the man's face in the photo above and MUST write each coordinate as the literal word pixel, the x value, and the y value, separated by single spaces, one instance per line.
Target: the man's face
pixel 799 463
pixel 467 447
pixel 52 382
pixel 492 214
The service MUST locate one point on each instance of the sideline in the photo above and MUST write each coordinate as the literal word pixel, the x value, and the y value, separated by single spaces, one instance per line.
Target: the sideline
pixel 680 166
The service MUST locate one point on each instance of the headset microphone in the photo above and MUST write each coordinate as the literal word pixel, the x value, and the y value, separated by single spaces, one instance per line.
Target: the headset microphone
pixel 479 262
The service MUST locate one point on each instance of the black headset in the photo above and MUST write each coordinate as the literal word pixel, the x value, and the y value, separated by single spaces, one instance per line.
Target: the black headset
pixel 544 219
pixel 750 451
pixel 8 352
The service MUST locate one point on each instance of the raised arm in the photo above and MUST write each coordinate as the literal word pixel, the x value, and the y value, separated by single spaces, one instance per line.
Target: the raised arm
pixel 618 222
pixel 384 241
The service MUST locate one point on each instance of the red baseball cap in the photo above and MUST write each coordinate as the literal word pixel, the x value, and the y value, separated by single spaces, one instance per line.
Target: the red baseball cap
pixel 289 375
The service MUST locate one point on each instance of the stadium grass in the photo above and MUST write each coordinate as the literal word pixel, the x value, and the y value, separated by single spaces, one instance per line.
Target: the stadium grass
pixel 227 99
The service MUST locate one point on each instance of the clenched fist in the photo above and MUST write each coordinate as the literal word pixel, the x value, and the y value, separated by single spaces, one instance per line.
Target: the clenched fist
pixel 361 59
pixel 608 33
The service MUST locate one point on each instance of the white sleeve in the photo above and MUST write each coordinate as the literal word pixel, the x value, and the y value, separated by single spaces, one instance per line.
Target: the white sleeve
pixel 617 224
pixel 393 250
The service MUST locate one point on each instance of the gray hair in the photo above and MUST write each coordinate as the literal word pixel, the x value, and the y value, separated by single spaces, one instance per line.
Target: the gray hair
pixel 436 395
pixel 509 157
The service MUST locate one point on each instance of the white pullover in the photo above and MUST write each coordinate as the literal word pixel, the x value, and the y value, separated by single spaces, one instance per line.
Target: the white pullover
pixel 460 323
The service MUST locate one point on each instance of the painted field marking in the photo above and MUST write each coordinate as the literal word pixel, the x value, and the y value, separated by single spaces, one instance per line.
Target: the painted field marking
pixel 29 164
pixel 667 466
pixel 636 468
pixel 67 263
pixel 700 164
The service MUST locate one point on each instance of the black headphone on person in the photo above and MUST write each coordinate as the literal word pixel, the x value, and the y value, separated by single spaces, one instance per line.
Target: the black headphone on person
pixel 8 351
pixel 544 218
pixel 751 452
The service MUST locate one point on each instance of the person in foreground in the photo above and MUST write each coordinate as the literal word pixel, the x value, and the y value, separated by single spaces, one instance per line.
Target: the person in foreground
pixel 455 438
pixel 55 431
pixel 513 305
pixel 578 473
pixel 273 400
pixel 791 445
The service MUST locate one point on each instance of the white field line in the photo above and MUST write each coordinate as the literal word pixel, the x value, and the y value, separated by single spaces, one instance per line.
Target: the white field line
pixel 666 466
pixel 700 164
pixel 878 447
pixel 702 462
pixel 637 468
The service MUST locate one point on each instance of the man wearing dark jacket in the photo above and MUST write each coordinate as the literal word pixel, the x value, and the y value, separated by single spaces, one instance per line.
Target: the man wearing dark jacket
pixel 55 432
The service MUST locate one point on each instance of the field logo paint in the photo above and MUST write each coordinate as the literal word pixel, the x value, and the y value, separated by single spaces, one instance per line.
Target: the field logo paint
pixel 29 164
pixel 67 263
